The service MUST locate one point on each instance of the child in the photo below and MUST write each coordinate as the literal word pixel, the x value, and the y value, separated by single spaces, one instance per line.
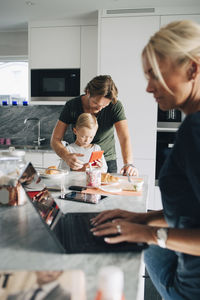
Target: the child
pixel 85 130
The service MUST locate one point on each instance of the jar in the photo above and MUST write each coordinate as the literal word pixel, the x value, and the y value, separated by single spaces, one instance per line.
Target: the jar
pixel 11 191
pixel 18 154
pixel 93 177
pixel 110 284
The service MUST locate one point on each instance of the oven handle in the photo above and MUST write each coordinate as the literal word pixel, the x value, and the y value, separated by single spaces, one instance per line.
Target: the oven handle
pixel 170 145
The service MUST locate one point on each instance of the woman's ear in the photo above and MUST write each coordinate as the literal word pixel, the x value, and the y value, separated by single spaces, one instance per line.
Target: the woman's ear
pixel 193 70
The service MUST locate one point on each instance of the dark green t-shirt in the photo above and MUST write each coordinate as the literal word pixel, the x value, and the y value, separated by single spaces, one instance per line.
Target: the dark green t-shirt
pixel 106 119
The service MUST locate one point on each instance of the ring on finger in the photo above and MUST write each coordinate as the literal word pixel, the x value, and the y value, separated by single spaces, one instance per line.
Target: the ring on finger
pixel 119 230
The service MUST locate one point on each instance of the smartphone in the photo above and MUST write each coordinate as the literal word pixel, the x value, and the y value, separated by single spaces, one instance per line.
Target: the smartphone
pixel 77 188
pixel 95 156
pixel 82 197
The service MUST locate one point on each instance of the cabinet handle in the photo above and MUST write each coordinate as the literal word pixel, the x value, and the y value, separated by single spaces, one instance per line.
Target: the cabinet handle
pixel 170 145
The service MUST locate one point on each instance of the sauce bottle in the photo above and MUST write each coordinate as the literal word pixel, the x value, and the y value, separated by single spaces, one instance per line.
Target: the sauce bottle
pixel 110 284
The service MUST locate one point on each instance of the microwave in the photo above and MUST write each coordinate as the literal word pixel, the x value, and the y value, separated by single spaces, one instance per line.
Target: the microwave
pixel 54 84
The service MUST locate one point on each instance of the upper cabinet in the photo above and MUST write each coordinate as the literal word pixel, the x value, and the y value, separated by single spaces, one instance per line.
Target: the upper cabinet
pixel 89 37
pixel 121 42
pixel 171 18
pixel 55 47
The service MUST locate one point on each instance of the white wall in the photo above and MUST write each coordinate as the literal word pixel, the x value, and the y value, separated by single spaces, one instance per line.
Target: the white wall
pixel 14 43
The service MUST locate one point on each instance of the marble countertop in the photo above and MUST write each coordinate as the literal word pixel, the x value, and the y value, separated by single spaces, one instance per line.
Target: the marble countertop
pixel 26 244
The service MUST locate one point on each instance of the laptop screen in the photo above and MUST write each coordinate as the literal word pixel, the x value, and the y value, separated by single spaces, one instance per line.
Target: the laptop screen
pixel 39 195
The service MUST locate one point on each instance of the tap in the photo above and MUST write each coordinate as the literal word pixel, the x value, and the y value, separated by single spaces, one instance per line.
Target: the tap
pixel 39 139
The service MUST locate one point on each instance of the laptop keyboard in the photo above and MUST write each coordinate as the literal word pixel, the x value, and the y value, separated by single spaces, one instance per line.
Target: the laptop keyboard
pixel 73 232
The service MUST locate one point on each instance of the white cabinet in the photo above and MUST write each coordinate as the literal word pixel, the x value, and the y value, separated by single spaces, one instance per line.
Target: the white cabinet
pixel 50 159
pixel 42 159
pixel 121 42
pixel 171 18
pixel 35 158
pixel 157 199
pixel 54 47
pixel 88 54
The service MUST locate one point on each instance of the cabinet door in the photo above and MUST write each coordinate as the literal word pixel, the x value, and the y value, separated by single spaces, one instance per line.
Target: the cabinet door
pixel 35 158
pixel 55 47
pixel 88 54
pixel 50 159
pixel 168 19
pixel 121 44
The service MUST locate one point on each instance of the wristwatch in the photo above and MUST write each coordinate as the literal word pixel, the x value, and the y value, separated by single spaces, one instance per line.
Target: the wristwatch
pixel 162 234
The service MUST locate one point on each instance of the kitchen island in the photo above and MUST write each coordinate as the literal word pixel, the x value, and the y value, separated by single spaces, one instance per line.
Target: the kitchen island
pixel 26 244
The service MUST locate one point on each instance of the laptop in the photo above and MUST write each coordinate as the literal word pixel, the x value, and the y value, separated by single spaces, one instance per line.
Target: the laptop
pixel 70 230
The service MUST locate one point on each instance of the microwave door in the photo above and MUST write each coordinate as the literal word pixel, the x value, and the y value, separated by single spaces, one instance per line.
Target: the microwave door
pixel 54 84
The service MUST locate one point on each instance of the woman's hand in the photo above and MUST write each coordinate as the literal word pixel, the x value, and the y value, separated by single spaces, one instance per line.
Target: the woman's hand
pixel 119 214
pixel 129 169
pixel 125 232
pixel 73 162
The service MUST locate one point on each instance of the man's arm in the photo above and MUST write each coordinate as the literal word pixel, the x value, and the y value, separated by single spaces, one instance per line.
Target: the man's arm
pixel 56 138
pixel 126 149
pixel 125 141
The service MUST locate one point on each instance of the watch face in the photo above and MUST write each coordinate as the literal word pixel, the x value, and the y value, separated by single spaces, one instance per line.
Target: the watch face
pixel 162 234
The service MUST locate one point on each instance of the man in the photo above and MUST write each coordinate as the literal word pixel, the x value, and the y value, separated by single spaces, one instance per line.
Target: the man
pixel 100 99
pixel 47 288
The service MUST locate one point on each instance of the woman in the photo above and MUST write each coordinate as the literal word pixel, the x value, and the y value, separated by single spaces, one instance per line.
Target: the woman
pixel 100 99
pixel 171 62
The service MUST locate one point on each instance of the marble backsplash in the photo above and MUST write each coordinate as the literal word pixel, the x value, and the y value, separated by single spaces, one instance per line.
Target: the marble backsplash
pixel 12 124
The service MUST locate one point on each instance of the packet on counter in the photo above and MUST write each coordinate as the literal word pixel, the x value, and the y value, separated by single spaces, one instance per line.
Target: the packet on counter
pixel 136 185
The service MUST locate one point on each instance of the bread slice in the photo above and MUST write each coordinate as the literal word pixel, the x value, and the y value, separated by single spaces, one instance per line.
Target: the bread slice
pixel 107 177
pixel 51 170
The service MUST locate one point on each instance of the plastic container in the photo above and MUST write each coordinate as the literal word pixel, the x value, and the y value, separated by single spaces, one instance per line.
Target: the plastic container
pixel 11 191
pixel 19 154
pixel 93 177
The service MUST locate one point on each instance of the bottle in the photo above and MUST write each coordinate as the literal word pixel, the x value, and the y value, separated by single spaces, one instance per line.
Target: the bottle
pixel 110 284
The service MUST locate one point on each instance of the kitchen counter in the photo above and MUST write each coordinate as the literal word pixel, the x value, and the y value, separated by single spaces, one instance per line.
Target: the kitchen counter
pixel 26 244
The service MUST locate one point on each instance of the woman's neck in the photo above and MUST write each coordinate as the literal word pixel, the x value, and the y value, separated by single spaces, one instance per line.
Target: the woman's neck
pixel 192 104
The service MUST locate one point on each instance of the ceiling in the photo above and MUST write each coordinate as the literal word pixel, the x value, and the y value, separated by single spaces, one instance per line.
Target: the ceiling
pixel 15 14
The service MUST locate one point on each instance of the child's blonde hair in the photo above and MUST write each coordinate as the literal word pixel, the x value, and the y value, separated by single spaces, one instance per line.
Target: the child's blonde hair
pixel 86 120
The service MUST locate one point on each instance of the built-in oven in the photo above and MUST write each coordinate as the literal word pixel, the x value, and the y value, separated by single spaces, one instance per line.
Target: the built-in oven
pixel 54 84
pixel 169 119
pixel 165 142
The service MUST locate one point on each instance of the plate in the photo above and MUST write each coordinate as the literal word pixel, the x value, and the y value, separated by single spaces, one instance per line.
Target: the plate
pixel 52 176
pixel 111 188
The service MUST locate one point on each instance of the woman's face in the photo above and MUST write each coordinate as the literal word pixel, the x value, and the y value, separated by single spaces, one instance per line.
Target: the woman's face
pixel 176 79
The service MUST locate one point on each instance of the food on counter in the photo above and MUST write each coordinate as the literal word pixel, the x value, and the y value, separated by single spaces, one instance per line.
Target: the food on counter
pixel 107 177
pixel 51 170
pixel 135 185
pixel 93 177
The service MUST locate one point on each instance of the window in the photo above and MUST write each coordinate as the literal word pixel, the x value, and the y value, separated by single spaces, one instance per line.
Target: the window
pixel 14 81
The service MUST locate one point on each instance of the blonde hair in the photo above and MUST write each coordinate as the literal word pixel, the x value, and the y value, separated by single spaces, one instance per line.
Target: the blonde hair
pixel 86 120
pixel 104 86
pixel 179 41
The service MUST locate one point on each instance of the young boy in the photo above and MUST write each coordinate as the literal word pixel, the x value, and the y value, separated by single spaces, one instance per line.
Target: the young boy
pixel 85 130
